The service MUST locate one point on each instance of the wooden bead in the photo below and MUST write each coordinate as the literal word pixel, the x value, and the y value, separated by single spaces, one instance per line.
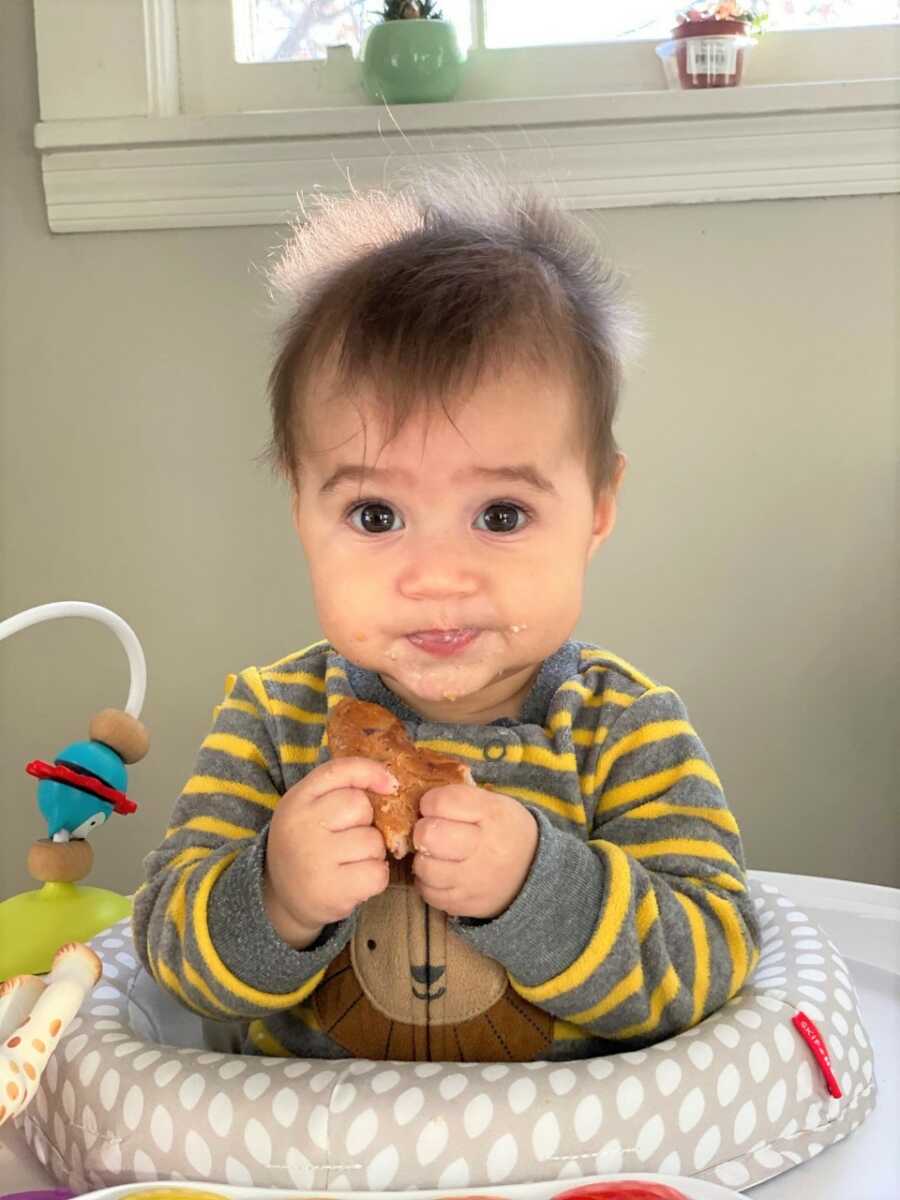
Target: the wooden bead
pixel 122 733
pixel 60 862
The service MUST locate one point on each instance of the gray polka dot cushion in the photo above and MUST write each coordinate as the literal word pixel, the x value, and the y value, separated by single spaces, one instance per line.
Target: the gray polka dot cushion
pixel 735 1100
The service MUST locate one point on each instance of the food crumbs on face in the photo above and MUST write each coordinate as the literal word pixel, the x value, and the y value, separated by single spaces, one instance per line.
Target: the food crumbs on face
pixel 451 696
pixel 517 628
pixel 359 637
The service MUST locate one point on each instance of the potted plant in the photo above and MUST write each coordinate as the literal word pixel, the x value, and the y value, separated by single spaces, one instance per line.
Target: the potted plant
pixel 709 42
pixel 412 56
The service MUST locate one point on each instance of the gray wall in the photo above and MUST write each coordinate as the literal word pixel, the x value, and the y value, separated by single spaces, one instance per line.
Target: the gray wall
pixel 753 568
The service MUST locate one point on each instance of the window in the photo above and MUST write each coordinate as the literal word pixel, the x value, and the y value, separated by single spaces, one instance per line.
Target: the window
pixel 148 121
pixel 268 31
pixel 266 55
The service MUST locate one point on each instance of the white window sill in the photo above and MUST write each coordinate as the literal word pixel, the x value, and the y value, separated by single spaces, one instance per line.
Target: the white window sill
pixel 591 151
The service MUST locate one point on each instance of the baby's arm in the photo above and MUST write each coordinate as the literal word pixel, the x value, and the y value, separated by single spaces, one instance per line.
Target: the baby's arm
pixel 200 922
pixel 648 926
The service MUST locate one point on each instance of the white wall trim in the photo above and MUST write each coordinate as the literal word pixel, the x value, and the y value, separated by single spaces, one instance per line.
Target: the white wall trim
pixel 610 150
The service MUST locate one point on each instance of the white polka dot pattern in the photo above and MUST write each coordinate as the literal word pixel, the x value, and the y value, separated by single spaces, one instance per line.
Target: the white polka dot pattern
pixel 734 1100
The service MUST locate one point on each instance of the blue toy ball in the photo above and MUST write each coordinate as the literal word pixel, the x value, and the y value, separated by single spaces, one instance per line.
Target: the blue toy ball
pixel 81 789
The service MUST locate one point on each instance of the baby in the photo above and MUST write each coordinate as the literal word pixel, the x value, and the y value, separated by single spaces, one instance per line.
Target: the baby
pixel 443 399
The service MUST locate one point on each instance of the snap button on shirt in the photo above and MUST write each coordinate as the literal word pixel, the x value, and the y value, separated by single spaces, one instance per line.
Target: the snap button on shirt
pixel 494 750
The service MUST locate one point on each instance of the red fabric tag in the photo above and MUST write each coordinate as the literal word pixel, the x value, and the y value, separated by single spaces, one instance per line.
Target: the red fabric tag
pixel 816 1043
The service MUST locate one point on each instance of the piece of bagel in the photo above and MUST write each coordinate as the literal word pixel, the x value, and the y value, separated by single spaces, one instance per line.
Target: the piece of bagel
pixel 358 728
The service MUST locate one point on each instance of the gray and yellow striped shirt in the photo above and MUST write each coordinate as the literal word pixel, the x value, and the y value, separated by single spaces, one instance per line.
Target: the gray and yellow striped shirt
pixel 634 922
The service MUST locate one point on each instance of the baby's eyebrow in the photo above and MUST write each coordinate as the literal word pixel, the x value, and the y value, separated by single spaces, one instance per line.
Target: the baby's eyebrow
pixel 524 473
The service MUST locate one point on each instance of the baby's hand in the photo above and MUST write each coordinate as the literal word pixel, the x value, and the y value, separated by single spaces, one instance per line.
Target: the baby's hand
pixel 323 855
pixel 474 850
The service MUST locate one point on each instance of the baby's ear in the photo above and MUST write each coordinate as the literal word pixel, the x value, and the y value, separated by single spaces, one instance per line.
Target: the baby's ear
pixel 604 515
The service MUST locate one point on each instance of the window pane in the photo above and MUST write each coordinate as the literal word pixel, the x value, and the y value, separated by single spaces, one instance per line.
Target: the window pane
pixel 268 31
pixel 512 23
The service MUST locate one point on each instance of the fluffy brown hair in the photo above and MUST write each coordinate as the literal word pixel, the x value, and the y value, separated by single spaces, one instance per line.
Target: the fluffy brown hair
pixel 419 292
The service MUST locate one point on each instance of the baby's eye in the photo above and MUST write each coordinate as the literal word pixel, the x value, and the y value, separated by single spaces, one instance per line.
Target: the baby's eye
pixel 504 518
pixel 374 516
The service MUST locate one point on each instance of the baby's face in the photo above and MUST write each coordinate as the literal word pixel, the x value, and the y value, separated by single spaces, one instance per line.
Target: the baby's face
pixel 442 535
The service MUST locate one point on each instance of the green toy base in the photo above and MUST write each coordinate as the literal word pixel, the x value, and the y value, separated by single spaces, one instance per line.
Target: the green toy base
pixel 33 925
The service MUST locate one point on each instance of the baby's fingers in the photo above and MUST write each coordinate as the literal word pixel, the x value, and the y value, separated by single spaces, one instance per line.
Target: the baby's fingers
pixel 360 845
pixel 351 772
pixel 362 880
pixel 344 809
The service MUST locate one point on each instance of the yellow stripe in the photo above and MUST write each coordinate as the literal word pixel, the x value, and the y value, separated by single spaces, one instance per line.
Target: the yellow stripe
pixel 170 980
pixel 687 846
pixel 565 808
pixel 535 756
pixel 176 913
pixel 732 927
pixel 722 817
pixel 657 782
pixel 647 913
pixel 589 737
pixel 607 696
pixel 216 825
pixel 196 980
pixel 305 677
pixel 190 854
pixel 217 968
pixel 265 1041
pixel 280 708
pixel 565 1031
pixel 624 989
pixel 574 685
pixel 175 909
pixel 293 657
pixel 288 752
pixel 446 746
pixel 625 667
pixel 701 954
pixel 719 878
pixel 255 684
pixel 306 1016
pixel 559 720
pixel 663 994
pixel 244 706
pixel 235 747
pixel 603 939
pixel 653 731
pixel 209 785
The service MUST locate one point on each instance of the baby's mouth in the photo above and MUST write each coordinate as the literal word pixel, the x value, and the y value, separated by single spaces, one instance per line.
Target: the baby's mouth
pixel 443 641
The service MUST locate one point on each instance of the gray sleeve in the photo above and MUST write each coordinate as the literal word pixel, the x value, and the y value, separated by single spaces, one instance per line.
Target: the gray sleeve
pixel 659 930
pixel 245 939
pixel 551 920
pixel 200 925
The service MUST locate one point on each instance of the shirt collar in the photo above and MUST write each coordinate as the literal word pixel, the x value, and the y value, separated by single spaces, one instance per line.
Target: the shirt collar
pixel 555 670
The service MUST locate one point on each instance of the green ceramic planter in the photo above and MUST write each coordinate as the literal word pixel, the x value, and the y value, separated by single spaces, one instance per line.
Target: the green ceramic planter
pixel 412 62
